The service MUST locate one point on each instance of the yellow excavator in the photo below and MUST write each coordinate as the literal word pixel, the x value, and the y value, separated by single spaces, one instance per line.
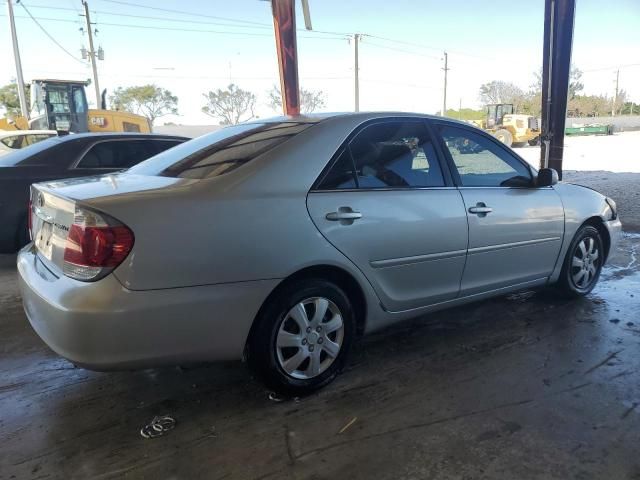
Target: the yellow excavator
pixel 61 105
pixel 510 128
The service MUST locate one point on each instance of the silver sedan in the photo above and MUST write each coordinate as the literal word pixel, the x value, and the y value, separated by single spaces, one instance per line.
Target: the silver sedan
pixel 283 240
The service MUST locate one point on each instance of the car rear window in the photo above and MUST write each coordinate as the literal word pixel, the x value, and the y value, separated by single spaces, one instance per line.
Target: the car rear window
pixel 220 152
pixel 25 154
pixel 22 141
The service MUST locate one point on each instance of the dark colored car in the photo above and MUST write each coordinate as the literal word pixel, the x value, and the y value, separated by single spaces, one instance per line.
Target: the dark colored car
pixel 78 155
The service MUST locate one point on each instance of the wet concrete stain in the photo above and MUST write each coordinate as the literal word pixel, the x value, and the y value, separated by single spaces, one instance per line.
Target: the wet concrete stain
pixel 525 386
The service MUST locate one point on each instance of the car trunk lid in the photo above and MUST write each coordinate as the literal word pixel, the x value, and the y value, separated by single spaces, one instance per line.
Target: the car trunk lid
pixel 51 220
pixel 57 205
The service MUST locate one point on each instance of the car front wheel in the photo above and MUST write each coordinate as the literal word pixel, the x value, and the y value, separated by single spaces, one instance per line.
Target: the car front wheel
pixel 583 263
pixel 302 336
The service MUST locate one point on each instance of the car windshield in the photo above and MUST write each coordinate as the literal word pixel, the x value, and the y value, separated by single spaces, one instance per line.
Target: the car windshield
pixel 16 158
pixel 221 151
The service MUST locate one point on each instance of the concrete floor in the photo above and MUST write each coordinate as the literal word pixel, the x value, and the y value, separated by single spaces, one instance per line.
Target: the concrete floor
pixel 527 386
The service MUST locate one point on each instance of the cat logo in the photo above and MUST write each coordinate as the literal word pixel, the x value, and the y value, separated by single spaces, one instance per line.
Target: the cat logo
pixel 99 122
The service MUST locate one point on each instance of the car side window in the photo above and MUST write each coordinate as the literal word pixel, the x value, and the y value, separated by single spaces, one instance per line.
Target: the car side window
pixel 13 142
pixel 31 139
pixel 117 154
pixel 482 163
pixel 341 175
pixel 395 154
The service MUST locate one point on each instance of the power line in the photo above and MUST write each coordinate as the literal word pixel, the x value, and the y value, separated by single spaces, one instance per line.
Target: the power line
pixel 198 22
pixel 49 35
pixel 386 82
pixel 428 47
pixel 401 50
pixel 221 32
pixel 153 27
pixel 243 23
pixel 163 19
pixel 614 67
pixel 189 77
pixel 182 12
pixel 402 42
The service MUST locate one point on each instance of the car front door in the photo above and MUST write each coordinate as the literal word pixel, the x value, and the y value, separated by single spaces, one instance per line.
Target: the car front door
pixel 388 205
pixel 515 228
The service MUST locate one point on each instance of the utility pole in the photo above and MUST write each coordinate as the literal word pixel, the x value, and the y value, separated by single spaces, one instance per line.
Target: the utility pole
pixel 356 68
pixel 16 55
pixel 615 98
pixel 92 54
pixel 444 96
pixel 460 110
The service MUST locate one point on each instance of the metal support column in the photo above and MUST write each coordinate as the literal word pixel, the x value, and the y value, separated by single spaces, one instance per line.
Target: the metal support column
pixel 284 23
pixel 556 64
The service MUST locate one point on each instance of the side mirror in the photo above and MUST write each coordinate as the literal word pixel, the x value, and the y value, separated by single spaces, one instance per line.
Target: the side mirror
pixel 546 177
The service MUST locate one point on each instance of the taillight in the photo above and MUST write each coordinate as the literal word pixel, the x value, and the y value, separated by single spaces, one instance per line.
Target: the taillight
pixel 30 220
pixel 96 244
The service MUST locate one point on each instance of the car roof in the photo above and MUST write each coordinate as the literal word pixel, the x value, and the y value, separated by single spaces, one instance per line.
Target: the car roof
pixel 357 117
pixel 101 136
pixel 12 133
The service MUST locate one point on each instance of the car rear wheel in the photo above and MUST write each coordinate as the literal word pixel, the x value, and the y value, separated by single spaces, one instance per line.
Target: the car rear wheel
pixel 302 337
pixel 583 263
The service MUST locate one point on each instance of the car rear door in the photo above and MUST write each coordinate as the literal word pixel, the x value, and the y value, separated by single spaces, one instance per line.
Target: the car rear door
pixel 515 228
pixel 388 205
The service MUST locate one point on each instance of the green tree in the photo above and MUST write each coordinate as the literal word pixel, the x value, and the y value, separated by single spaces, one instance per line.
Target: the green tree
pixel 589 106
pixel 310 100
pixel 9 100
pixel 631 108
pixel 498 91
pixel 148 100
pixel 232 105
pixel 575 82
pixel 466 114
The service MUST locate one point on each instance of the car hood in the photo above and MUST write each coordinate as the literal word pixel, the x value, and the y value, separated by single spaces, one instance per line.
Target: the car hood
pixel 84 188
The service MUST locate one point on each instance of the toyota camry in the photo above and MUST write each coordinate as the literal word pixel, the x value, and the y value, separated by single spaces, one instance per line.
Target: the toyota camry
pixel 282 241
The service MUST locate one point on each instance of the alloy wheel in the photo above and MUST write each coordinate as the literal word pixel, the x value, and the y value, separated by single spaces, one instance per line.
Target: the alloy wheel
pixel 585 263
pixel 309 338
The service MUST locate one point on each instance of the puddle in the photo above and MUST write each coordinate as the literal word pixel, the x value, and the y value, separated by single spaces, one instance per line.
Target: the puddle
pixel 618 289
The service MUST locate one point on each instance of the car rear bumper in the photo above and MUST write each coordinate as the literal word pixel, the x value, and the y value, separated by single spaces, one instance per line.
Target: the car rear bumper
pixel 104 326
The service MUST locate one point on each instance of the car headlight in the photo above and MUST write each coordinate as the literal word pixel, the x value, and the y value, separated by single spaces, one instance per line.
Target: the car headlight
pixel 613 207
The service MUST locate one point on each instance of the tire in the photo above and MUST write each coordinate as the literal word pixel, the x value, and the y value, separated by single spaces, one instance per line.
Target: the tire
pixel 518 144
pixel 534 142
pixel 286 350
pixel 504 136
pixel 583 263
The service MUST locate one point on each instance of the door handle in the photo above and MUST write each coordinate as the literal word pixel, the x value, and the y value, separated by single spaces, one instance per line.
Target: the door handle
pixel 480 209
pixel 344 215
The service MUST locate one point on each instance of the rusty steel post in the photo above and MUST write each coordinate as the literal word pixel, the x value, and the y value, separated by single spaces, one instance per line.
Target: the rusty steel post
pixel 284 24
pixel 556 65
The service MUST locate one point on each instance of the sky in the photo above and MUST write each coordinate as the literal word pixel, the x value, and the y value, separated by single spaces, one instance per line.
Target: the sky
pixel 193 46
